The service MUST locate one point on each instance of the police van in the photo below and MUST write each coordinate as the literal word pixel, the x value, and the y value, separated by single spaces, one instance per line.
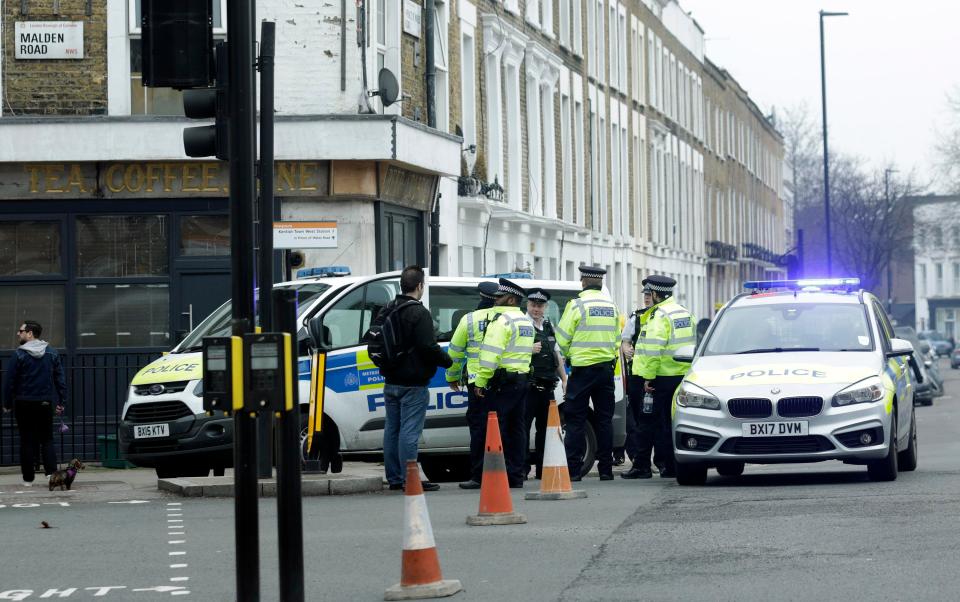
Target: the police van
pixel 164 426
pixel 797 371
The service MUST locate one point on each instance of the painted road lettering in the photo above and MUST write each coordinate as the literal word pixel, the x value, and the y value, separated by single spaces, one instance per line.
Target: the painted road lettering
pixel 97 591
pixel 35 505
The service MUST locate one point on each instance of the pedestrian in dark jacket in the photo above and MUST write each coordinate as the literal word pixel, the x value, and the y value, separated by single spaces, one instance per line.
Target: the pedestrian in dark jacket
pixel 406 391
pixel 34 387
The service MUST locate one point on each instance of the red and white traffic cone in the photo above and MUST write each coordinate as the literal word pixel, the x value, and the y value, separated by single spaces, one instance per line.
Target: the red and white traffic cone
pixel 420 576
pixel 496 505
pixel 555 479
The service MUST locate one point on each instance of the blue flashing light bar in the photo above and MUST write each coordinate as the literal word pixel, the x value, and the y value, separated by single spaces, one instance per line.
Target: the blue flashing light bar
pixel 846 284
pixel 327 271
pixel 512 276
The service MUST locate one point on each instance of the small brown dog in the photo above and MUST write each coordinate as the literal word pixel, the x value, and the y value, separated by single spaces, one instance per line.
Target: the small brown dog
pixel 64 478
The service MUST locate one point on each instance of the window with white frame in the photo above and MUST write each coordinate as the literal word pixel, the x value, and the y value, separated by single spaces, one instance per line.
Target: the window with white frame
pixel 938 270
pixel 614 74
pixel 468 72
pixel 594 162
pixel 546 21
pixel 441 36
pixel 637 161
pixel 615 165
pixel 602 132
pixel 601 37
pixel 548 87
pixel 625 209
pixel 579 146
pixel 577 24
pixel 533 65
pixel 956 279
pixel 923 280
pixel 384 24
pixel 653 93
pixel 567 149
pixel 592 39
pixel 622 49
pixel 514 186
pixel 565 6
pixel 533 13
pixel 160 101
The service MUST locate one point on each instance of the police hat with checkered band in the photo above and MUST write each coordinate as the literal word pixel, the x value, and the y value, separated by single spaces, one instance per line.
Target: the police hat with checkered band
pixel 659 284
pixel 506 287
pixel 538 295
pixel 592 271
pixel 488 289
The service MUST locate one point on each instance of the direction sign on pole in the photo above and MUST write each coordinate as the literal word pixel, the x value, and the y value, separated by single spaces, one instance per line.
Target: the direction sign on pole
pixel 305 235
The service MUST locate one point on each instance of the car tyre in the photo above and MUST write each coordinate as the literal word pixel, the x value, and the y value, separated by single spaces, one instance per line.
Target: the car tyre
pixel 590 455
pixel 908 458
pixel 886 469
pixel 691 474
pixel 731 469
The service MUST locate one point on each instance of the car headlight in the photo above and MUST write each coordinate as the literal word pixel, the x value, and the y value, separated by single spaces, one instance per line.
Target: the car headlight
pixel 198 389
pixel 692 396
pixel 869 390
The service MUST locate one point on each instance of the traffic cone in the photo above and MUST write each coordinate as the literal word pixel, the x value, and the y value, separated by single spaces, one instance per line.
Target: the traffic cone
pixel 496 505
pixel 555 480
pixel 420 576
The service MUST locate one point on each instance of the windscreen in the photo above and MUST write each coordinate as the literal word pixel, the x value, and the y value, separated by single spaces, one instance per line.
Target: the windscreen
pixel 217 324
pixel 790 327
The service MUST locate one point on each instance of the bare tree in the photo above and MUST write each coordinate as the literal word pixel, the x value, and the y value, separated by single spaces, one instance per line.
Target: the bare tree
pixel 948 146
pixel 802 146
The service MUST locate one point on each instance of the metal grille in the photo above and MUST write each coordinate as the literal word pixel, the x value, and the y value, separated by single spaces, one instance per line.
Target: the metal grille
pixel 175 387
pixel 794 407
pixel 775 445
pixel 159 411
pixel 750 407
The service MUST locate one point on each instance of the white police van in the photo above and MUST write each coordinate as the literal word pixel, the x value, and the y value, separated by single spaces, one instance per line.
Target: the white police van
pixel 164 426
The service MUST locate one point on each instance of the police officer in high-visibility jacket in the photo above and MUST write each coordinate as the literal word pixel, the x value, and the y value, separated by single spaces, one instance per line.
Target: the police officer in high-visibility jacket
pixel 669 327
pixel 502 374
pixel 588 335
pixel 464 350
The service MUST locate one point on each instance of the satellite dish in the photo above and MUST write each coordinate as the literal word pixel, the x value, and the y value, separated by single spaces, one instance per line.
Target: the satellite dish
pixel 388 88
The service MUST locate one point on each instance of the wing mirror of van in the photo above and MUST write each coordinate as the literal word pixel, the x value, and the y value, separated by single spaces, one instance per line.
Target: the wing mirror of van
pixel 899 348
pixel 319 334
pixel 684 354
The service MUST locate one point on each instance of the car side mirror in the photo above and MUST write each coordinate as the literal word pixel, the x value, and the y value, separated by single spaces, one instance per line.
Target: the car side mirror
pixel 900 348
pixel 684 354
pixel 319 334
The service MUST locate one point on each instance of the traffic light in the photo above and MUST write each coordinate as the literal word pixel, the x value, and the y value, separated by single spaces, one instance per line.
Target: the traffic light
pixel 177 42
pixel 204 103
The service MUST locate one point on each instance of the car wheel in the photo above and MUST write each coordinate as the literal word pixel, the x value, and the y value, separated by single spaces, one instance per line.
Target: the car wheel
pixel 886 469
pixel 731 469
pixel 907 459
pixel 446 469
pixel 693 473
pixel 590 453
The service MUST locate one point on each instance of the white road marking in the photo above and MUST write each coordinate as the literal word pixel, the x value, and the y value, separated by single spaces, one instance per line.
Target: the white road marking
pixel 176 541
pixel 131 502
pixel 180 592
pixel 176 554
pixel 174 503
pixel 168 514
pixel 181 565
pixel 179 578
pixel 174 520
pixel 175 533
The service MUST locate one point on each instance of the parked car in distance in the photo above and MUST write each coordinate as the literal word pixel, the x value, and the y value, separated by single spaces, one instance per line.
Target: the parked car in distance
pixel 926 388
pixel 955 359
pixel 939 343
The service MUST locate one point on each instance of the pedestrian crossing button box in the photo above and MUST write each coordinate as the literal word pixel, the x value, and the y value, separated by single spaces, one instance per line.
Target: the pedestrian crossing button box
pixel 222 370
pixel 268 374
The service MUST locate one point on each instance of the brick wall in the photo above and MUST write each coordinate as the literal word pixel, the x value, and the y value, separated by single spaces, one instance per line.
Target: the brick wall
pixel 56 87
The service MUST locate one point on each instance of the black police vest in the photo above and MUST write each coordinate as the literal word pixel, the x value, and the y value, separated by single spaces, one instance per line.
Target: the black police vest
pixel 544 364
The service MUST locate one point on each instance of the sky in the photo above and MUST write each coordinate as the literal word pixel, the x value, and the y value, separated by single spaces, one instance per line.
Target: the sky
pixel 889 65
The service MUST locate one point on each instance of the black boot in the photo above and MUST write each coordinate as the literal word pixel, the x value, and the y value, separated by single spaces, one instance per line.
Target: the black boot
pixel 636 472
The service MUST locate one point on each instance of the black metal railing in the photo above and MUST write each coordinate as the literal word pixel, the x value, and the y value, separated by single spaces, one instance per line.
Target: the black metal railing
pixel 97 385
pixel 721 250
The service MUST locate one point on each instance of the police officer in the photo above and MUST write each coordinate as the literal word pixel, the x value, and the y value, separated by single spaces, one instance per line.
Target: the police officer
pixel 546 368
pixel 587 335
pixel 465 345
pixel 669 327
pixel 503 374
pixel 635 415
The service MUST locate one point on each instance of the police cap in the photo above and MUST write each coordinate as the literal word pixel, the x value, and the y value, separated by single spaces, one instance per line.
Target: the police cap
pixel 592 271
pixel 488 289
pixel 659 284
pixel 506 287
pixel 538 295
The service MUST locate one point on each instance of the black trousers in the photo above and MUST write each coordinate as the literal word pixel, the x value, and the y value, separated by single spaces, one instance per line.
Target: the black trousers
pixel 634 417
pixel 509 401
pixel 477 423
pixel 588 383
pixel 656 429
pixel 538 406
pixel 35 424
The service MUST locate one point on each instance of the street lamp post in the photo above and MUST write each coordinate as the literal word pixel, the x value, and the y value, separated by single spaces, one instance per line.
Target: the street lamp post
pixel 826 157
pixel 886 197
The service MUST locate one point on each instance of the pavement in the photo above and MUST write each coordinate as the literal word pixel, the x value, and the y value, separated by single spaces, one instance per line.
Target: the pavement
pixel 779 532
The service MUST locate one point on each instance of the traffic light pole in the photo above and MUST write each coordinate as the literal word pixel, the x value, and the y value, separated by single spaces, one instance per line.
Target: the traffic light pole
pixel 265 214
pixel 289 502
pixel 240 15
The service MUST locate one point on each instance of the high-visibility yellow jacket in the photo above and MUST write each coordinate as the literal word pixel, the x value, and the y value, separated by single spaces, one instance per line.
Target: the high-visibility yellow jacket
pixel 465 344
pixel 507 344
pixel 669 327
pixel 589 330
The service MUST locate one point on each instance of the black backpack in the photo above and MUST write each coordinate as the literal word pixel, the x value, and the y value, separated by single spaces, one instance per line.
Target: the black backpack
pixel 384 338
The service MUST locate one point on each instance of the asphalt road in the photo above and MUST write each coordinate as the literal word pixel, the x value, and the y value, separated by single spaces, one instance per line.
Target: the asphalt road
pixel 807 532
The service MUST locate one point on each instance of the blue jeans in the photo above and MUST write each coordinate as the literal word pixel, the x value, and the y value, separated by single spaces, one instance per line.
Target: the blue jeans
pixel 406 408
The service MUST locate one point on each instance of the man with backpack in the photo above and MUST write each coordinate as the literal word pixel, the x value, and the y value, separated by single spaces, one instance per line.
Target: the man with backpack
pixel 402 343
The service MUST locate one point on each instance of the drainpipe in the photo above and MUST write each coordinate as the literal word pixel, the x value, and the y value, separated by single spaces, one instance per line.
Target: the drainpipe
pixel 430 9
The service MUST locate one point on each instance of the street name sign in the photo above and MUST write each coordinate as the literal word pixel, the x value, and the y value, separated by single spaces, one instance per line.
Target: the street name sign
pixel 48 40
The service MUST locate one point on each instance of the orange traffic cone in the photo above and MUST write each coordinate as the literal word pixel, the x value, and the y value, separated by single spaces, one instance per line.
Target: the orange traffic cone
pixel 496 505
pixel 420 576
pixel 555 481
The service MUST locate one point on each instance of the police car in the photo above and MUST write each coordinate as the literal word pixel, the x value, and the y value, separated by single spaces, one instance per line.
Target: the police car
pixel 164 426
pixel 797 371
